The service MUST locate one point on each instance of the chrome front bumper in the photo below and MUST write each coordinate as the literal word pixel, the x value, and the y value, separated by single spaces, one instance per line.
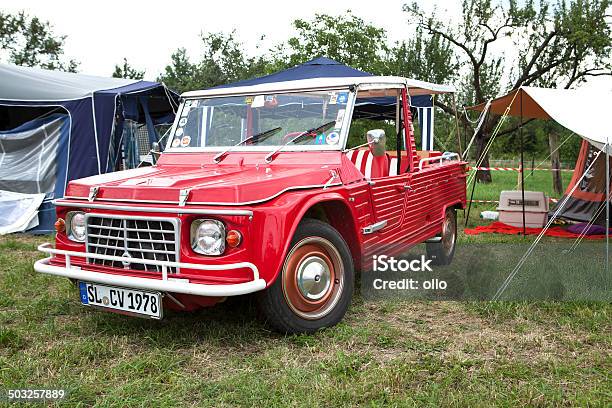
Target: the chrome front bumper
pixel 165 284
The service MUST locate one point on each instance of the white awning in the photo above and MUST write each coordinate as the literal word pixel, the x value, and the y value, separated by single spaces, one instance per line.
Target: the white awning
pixel 35 84
pixel 585 111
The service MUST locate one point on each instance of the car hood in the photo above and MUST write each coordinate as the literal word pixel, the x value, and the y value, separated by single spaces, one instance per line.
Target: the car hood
pixel 206 185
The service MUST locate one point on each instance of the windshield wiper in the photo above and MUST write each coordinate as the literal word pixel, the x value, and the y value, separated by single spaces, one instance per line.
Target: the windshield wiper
pixel 309 132
pixel 261 136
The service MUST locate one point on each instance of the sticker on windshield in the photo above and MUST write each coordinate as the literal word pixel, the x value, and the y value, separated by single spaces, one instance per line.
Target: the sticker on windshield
pixel 179 132
pixel 342 98
pixel 320 139
pixel 248 100
pixel 339 118
pixel 332 138
pixel 183 122
pixel 333 98
pixel 176 142
pixel 271 100
pixel 185 141
pixel 258 101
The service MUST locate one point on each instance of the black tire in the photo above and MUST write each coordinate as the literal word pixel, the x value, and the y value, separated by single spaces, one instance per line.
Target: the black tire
pixel 314 247
pixel 441 253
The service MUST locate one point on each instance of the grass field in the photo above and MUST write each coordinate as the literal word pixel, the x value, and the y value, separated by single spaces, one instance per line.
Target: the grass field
pixel 383 354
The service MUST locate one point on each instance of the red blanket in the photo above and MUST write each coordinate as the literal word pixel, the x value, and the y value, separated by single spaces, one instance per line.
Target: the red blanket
pixel 501 228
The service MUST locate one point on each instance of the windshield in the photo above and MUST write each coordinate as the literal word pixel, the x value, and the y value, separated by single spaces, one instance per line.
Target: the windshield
pixel 264 121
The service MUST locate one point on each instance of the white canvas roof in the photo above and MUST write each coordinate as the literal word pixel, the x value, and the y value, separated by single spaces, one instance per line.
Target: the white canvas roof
pixel 415 87
pixel 584 111
pixel 35 84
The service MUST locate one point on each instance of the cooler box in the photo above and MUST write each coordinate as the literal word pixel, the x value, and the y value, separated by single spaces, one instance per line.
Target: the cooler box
pixel 511 208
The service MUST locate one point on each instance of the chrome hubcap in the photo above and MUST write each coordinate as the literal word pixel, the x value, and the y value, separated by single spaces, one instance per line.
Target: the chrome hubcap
pixel 313 278
pixel 448 234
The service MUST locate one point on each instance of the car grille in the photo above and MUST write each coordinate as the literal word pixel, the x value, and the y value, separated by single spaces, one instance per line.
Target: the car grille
pixel 152 239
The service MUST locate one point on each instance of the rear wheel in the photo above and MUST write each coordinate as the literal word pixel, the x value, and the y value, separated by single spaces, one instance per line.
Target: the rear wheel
pixel 442 252
pixel 315 286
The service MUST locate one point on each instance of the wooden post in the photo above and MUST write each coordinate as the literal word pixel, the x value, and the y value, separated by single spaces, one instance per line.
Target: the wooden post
pixel 555 162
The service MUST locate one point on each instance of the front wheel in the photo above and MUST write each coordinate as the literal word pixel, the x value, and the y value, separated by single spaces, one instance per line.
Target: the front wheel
pixel 442 252
pixel 315 286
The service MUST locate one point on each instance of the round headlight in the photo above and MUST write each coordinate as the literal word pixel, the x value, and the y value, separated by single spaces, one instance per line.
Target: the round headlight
pixel 77 226
pixel 208 237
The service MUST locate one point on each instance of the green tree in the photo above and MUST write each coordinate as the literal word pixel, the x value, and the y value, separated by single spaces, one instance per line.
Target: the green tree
pixel 346 38
pixel 181 73
pixel 31 42
pixel 125 70
pixel 558 45
pixel 428 58
pixel 223 61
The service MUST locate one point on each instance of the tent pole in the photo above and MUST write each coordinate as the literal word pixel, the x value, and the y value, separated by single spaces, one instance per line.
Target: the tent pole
pixel 467 217
pixel 522 167
pixel 607 210
pixel 456 124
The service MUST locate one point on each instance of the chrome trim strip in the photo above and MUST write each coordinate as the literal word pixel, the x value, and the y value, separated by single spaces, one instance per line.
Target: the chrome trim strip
pixel 176 210
pixel 374 227
pixel 127 200
pixel 181 211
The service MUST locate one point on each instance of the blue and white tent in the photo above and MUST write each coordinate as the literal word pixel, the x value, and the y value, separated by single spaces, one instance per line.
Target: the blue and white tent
pixel 59 126
pixel 375 108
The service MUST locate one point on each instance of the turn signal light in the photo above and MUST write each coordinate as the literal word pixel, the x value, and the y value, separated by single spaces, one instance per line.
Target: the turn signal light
pixel 60 225
pixel 234 238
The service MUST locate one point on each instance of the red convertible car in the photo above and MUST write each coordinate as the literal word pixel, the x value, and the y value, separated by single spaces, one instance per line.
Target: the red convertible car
pixel 258 192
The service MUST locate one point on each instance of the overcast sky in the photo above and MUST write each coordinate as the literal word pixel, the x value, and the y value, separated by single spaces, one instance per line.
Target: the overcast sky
pixel 101 34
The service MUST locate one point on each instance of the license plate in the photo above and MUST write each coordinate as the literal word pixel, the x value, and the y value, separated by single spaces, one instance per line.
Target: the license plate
pixel 132 301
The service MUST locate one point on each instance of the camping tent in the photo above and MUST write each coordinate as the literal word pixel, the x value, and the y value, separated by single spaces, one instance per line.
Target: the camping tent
pixel 585 195
pixel 587 120
pixel 373 108
pixel 585 202
pixel 58 126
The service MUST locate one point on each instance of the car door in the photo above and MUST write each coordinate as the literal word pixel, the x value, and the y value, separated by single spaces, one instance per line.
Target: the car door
pixel 388 196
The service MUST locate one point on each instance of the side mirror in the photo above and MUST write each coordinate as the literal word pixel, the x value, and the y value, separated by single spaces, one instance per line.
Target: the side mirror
pixel 377 142
pixel 155 151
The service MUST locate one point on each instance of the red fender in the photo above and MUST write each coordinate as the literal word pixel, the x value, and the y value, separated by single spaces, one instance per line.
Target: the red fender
pixel 304 206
